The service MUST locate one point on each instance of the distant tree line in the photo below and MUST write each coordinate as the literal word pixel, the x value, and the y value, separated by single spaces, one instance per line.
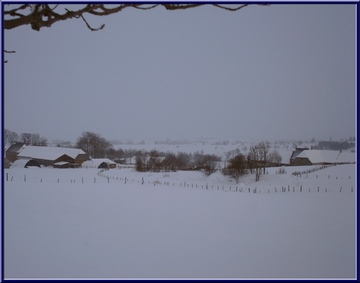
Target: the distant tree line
pixel 29 138
pixel 156 161
pixel 335 145
pixel 258 158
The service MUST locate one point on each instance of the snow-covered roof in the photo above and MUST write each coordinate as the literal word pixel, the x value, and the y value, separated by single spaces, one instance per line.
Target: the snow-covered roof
pixel 61 163
pixel 16 147
pixel 327 156
pixel 49 153
pixel 94 163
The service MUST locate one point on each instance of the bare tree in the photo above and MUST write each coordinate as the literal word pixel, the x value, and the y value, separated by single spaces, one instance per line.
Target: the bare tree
pixel 237 167
pixel 265 152
pixel 10 137
pixel 254 156
pixel 45 15
pixel 25 137
pixel 275 157
pixel 33 139
pixel 140 161
pixel 93 144
pixel 153 162
pixel 130 153
pixel 259 157
pixel 206 162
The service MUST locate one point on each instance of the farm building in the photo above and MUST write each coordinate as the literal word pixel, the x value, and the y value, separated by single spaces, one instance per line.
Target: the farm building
pixel 25 163
pixel 102 163
pixel 7 163
pixel 13 151
pixel 296 152
pixel 54 156
pixel 323 157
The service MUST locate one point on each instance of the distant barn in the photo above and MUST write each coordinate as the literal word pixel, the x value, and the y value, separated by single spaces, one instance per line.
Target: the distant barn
pixel 323 157
pixel 58 157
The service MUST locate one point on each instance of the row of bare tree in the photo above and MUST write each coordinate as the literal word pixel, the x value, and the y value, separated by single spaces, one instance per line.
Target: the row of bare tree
pixel 258 158
pixel 29 138
pixel 155 161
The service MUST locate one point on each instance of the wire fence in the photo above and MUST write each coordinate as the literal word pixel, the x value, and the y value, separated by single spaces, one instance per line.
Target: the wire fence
pixel 102 178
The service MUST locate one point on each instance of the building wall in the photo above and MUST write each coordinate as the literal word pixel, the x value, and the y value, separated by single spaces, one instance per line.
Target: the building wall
pixel 7 163
pixel 81 158
pixel 300 161
pixel 11 156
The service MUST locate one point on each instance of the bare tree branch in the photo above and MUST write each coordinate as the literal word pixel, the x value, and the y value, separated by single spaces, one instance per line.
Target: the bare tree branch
pixel 180 6
pixel 231 9
pixel 42 15
pixel 147 8
pixel 87 24
pixel 7 51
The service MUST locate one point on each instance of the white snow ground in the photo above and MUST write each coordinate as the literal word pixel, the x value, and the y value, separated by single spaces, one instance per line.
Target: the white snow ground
pixel 77 223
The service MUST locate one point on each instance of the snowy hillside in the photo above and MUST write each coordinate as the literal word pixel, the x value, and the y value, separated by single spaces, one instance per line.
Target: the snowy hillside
pixel 87 223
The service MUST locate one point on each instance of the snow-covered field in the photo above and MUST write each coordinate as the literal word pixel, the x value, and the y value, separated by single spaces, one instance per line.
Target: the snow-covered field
pixel 87 223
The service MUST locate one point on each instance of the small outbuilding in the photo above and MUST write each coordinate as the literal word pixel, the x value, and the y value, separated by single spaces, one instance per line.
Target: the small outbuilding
pixel 100 163
pixel 25 163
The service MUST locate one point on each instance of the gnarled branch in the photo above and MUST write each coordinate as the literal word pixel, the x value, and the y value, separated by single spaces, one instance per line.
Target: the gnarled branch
pixel 42 15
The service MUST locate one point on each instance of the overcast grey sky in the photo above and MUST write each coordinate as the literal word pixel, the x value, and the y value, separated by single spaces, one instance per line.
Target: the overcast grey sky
pixel 276 72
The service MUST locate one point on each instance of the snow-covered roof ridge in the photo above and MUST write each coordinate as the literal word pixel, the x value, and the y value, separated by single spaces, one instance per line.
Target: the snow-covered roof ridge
pixel 48 152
